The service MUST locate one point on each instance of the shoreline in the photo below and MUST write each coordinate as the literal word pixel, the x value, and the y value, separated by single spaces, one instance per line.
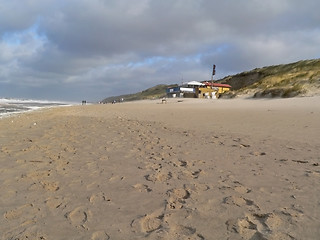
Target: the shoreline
pixel 10 107
pixel 234 168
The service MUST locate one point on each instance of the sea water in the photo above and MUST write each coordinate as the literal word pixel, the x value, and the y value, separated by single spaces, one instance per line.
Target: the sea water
pixel 14 106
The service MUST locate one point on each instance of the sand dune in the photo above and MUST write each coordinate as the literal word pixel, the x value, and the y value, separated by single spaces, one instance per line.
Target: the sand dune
pixel 196 169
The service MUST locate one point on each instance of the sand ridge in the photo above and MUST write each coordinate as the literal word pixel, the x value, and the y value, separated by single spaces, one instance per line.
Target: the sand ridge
pixel 161 171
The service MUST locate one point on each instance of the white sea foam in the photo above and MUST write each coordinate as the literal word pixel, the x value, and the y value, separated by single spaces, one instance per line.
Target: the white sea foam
pixel 9 106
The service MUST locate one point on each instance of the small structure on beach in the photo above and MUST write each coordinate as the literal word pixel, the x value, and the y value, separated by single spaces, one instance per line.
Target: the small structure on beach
pixel 207 92
pixel 221 87
pixel 186 90
pixel 195 89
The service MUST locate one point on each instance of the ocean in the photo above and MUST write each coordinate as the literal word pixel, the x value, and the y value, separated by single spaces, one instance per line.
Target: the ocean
pixel 14 106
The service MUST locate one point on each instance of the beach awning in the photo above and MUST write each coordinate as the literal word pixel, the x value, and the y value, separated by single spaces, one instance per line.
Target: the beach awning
pixel 195 83
pixel 217 84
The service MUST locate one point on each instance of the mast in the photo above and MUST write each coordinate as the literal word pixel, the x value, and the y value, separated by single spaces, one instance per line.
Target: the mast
pixel 213 73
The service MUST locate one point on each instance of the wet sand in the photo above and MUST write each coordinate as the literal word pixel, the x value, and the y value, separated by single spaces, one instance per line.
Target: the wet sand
pixel 188 169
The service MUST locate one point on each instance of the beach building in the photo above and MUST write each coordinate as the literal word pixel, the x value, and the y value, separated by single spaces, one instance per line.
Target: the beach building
pixel 222 88
pixel 186 90
pixel 207 92
pixel 195 89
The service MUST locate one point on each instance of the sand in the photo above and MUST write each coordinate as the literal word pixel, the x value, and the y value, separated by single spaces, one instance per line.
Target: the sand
pixel 188 169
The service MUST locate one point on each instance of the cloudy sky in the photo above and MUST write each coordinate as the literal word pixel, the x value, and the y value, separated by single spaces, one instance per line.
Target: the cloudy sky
pixel 91 49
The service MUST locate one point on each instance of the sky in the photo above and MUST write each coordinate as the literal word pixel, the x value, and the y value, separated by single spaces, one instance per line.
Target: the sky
pixel 74 50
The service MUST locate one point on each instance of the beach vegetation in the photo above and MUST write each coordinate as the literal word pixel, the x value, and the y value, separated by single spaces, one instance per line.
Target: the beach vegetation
pixel 285 80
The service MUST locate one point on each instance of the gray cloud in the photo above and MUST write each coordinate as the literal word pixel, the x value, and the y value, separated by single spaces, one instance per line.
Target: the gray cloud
pixel 93 49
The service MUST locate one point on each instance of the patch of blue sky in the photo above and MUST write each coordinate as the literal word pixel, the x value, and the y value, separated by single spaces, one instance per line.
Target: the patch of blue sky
pixel 13 39
pixel 18 38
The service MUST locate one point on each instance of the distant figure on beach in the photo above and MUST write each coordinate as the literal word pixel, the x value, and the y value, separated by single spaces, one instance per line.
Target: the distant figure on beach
pixel 164 100
pixel 114 101
pixel 84 102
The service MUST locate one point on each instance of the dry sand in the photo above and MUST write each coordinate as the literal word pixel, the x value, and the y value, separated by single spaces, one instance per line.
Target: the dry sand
pixel 197 169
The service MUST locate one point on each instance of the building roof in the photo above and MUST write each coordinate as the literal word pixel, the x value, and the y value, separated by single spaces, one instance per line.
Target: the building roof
pixel 217 84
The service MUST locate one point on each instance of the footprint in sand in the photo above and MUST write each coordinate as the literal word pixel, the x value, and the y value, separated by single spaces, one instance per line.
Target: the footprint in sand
pixel 196 187
pixel 77 217
pixel 98 198
pixel 260 226
pixel 47 186
pixel 242 189
pixel 177 198
pixel 100 235
pixel 185 232
pixel 32 232
pixel 50 186
pixel 234 185
pixel 179 193
pixel 142 187
pixel 24 211
pixel 149 222
pixel 56 203
pixel 249 227
pixel 191 174
pixel 159 177
pixel 240 201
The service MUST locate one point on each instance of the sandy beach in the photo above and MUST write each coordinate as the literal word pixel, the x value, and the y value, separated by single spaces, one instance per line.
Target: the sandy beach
pixel 188 169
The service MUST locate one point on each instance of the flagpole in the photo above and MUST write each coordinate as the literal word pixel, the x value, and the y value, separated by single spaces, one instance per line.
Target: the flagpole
pixel 213 73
